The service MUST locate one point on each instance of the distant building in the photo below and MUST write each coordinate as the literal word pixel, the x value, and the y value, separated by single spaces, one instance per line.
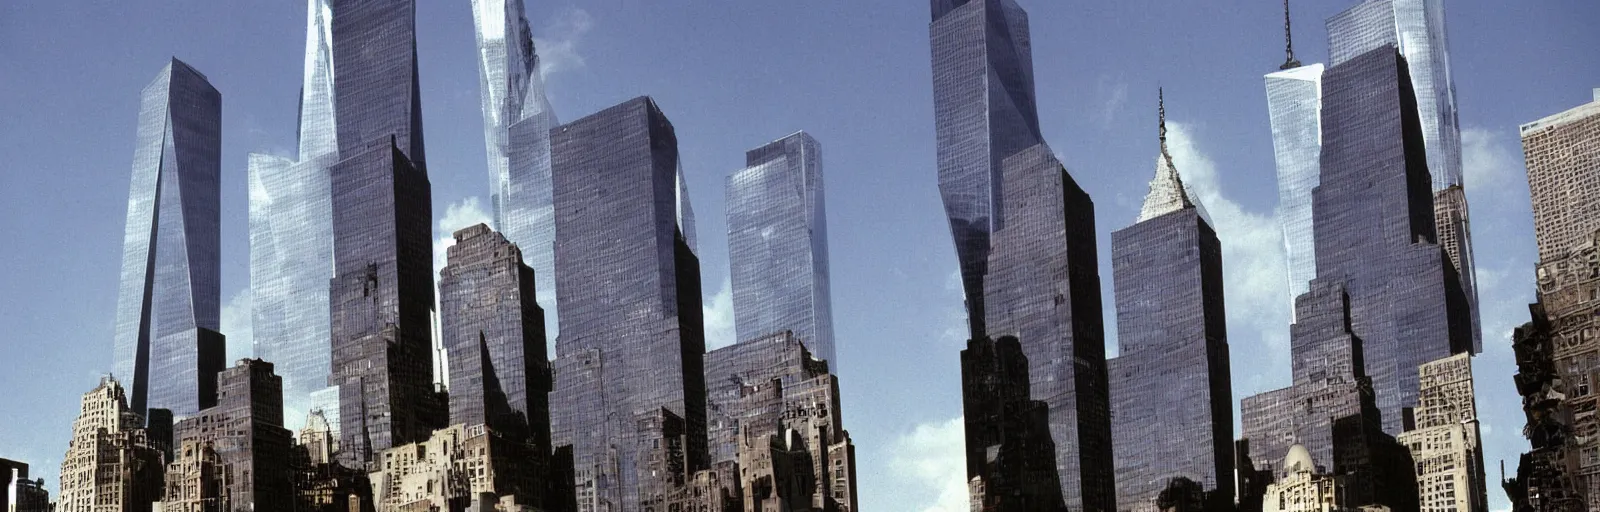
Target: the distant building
pixel 110 463
pixel 1294 104
pixel 1304 488
pixel 235 455
pixel 169 303
pixel 22 494
pixel 1445 444
pixel 1011 463
pixel 778 245
pixel 1171 391
pixel 452 470
pixel 320 483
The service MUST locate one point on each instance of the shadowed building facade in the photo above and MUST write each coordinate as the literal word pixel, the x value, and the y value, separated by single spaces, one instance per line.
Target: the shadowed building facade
pixel 382 291
pixel 632 340
pixel 778 245
pixel 517 120
pixel 1024 232
pixel 234 456
pixel 168 305
pixel 1171 393
pixel 1010 456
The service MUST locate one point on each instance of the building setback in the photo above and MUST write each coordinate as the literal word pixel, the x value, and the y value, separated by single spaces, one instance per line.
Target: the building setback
pixel 1171 394
pixel 291 235
pixel 168 306
pixel 628 281
pixel 778 245
pixel 382 292
pixel 110 462
pixel 1024 232
pixel 234 456
pixel 1562 154
pixel 517 120
pixel 1445 443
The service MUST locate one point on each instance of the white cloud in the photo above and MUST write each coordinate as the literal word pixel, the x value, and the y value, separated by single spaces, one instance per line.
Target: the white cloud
pixel 1255 275
pixel 1484 162
pixel 461 214
pixel 236 325
pixel 558 48
pixel 718 313
pixel 931 467
pixel 1115 94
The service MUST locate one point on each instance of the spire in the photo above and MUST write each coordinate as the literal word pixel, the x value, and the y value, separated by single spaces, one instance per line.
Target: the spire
pixel 1288 40
pixel 1167 194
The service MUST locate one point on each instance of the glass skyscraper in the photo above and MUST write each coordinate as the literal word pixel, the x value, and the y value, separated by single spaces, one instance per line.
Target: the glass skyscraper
pixel 1416 27
pixel 1294 102
pixel 382 292
pixel 168 305
pixel 1024 232
pixel 517 119
pixel 1171 391
pixel 778 245
pixel 629 372
pixel 291 234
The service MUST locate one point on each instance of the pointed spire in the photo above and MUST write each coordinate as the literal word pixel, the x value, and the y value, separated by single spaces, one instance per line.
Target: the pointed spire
pixel 1167 193
pixel 1288 40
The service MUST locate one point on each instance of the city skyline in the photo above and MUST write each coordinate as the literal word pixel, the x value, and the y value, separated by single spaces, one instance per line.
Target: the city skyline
pixel 1079 172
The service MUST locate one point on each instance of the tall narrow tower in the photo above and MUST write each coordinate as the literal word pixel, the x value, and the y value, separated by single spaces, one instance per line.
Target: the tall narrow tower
pixel 382 290
pixel 778 245
pixel 168 306
pixel 517 119
pixel 1294 103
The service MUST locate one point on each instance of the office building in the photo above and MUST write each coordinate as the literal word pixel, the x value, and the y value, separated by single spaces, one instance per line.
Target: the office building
pixel 1445 442
pixel 517 120
pixel 1294 104
pixel 778 245
pixel 1546 476
pixel 1171 391
pixel 167 347
pixel 1010 455
pixel 110 463
pixel 382 291
pixel 628 281
pixel 234 455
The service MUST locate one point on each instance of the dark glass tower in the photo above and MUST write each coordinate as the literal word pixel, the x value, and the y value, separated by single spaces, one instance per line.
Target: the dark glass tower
pixel 493 332
pixel 1171 394
pixel 168 306
pixel 1374 221
pixel 246 431
pixel 382 290
pixel 778 245
pixel 1024 232
pixel 632 339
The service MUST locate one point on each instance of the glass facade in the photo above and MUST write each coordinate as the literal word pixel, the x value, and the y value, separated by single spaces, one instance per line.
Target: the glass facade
pixel 1374 221
pixel 291 233
pixel 632 341
pixel 1294 102
pixel 1416 27
pixel 778 245
pixel 382 292
pixel 517 119
pixel 1171 392
pixel 493 331
pixel 168 304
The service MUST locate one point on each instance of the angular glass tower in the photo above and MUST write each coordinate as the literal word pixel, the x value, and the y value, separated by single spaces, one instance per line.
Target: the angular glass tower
pixel 516 127
pixel 168 305
pixel 382 291
pixel 1024 232
pixel 1294 102
pixel 1171 391
pixel 291 233
pixel 630 355
pixel 778 245
pixel 1416 27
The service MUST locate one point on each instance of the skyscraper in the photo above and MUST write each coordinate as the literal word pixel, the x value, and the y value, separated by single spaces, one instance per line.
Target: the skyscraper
pixel 630 353
pixel 778 245
pixel 1171 394
pixel 382 290
pixel 245 432
pixel 1294 103
pixel 1024 232
pixel 168 305
pixel 1445 443
pixel 517 119
pixel 110 463
pixel 1375 229
pixel 1416 28
pixel 291 233
pixel 1562 153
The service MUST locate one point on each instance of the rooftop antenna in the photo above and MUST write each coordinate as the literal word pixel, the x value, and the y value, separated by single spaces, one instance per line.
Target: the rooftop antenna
pixel 1288 40
pixel 1161 113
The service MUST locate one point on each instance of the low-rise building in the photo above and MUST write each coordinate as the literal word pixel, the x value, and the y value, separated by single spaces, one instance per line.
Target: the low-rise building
pixel 111 463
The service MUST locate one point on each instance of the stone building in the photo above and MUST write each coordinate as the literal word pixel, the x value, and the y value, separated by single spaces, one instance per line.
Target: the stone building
pixel 451 471
pixel 110 463
pixel 1547 477
pixel 1301 487
pixel 1445 444
pixel 236 454
pixel 1010 454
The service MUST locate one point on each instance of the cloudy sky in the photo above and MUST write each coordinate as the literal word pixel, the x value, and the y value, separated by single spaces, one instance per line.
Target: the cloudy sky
pixel 732 75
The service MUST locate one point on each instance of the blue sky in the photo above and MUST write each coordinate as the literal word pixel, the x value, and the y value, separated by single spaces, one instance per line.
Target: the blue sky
pixel 731 76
